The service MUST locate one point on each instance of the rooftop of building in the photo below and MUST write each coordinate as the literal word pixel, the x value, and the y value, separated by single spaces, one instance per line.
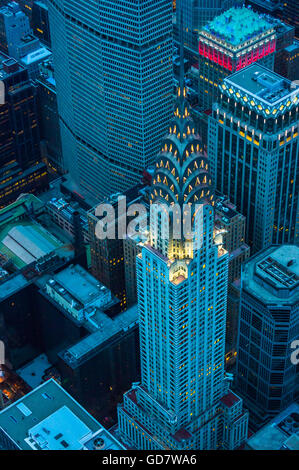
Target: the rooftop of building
pixel 33 372
pixel 281 433
pixel 35 56
pixel 132 195
pixel 261 89
pixel 268 5
pixel 273 274
pixel 25 237
pixel 66 209
pixel 107 329
pixel 225 210
pixel 281 28
pixel 50 418
pixel 18 209
pixel 230 399
pixel 80 285
pixel 26 247
pixel 8 66
pixel 12 285
pixel 11 9
pixel 25 241
pixel 292 47
pixel 237 25
pixel 68 297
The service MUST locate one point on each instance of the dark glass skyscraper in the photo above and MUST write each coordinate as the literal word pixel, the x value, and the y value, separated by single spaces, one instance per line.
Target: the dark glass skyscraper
pixel 20 167
pixel 113 70
pixel 269 323
pixel 253 151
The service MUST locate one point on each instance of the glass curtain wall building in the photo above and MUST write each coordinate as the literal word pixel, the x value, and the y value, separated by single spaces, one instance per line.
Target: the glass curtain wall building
pixel 113 70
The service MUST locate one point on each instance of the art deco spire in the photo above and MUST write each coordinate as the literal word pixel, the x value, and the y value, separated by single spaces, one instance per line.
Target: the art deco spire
pixel 181 174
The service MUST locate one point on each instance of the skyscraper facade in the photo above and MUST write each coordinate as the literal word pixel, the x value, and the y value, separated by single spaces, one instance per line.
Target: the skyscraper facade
pixel 21 169
pixel 40 22
pixel 253 151
pixel 232 41
pixel 183 400
pixel 113 70
pixel 269 323
pixel 290 14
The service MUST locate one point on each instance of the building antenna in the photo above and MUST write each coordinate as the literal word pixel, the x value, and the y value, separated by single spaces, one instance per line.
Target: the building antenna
pixel 182 71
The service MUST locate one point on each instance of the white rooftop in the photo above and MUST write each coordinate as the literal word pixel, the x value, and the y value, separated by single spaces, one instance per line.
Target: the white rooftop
pixel 62 430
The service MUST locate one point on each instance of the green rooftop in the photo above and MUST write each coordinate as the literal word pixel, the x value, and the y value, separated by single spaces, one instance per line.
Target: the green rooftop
pixel 23 240
pixel 237 25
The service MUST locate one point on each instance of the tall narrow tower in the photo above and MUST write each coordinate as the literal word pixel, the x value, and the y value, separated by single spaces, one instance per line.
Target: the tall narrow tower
pixel 183 400
pixel 113 71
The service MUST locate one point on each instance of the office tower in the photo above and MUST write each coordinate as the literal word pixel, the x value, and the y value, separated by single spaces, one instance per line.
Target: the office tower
pixel 26 6
pixel 40 22
pixel 51 146
pixel 287 50
pixel 232 41
pixel 290 14
pixel 280 434
pixel 113 70
pixel 269 323
pixel 269 7
pixel 20 132
pixel 183 400
pixel 48 418
pixel 290 61
pixel 14 24
pixel 232 225
pixel 253 151
pixel 20 167
pixel 107 255
pixel 17 41
pixel 132 248
pixel 285 10
pixel 196 14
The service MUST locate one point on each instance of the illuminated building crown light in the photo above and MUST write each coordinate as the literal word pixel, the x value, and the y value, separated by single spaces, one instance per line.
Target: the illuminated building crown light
pixel 182 174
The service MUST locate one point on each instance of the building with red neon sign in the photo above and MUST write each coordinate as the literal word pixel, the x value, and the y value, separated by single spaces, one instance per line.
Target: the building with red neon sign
pixel 237 38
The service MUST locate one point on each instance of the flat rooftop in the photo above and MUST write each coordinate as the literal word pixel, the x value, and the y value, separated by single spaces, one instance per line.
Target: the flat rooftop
pixel 260 88
pixel 226 209
pixel 81 285
pixel 36 56
pixel 273 274
pixel 24 242
pixel 50 416
pixel 12 285
pixel 237 25
pixel 107 329
pixel 279 433
pixel 33 372
pixel 292 47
